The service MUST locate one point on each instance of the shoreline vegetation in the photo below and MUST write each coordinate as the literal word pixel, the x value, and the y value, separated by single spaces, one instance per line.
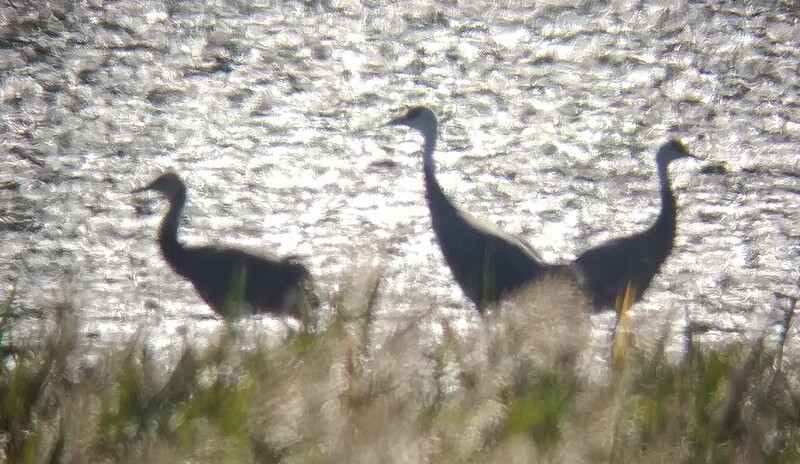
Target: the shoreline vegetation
pixel 522 386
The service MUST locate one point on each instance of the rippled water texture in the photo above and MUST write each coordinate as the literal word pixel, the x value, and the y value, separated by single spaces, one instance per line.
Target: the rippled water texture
pixel 273 113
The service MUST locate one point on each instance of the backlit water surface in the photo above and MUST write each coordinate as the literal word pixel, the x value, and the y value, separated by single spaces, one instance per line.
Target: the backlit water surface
pixel 273 114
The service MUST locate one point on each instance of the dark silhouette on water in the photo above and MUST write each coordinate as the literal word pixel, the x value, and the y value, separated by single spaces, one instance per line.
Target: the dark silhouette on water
pixel 225 277
pixel 487 263
pixel 608 268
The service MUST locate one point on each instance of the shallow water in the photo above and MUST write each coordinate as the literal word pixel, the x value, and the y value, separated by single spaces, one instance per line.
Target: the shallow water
pixel 273 114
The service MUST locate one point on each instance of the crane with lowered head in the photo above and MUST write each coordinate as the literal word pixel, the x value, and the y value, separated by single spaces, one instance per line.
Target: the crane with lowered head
pixel 262 283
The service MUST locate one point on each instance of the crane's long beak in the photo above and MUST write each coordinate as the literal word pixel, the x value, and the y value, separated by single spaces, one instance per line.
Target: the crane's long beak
pixel 140 189
pixel 398 121
pixel 683 150
pixel 698 158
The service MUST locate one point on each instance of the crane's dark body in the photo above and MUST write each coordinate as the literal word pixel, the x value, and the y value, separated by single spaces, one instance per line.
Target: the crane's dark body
pixel 224 277
pixel 608 268
pixel 487 263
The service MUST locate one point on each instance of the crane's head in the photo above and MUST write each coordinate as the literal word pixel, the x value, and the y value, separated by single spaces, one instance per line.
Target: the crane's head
pixel 419 118
pixel 168 183
pixel 672 151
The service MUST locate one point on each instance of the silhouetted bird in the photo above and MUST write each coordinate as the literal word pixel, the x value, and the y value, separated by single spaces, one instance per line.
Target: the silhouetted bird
pixel 227 277
pixel 608 268
pixel 486 262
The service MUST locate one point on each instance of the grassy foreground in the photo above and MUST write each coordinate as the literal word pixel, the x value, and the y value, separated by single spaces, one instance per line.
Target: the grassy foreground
pixel 524 386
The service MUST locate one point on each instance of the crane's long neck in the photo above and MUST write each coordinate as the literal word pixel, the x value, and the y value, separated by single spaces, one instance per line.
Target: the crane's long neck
pixel 168 232
pixel 431 134
pixel 665 225
pixel 436 197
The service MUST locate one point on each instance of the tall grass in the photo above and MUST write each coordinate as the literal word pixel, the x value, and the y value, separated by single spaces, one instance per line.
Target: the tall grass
pixel 523 386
